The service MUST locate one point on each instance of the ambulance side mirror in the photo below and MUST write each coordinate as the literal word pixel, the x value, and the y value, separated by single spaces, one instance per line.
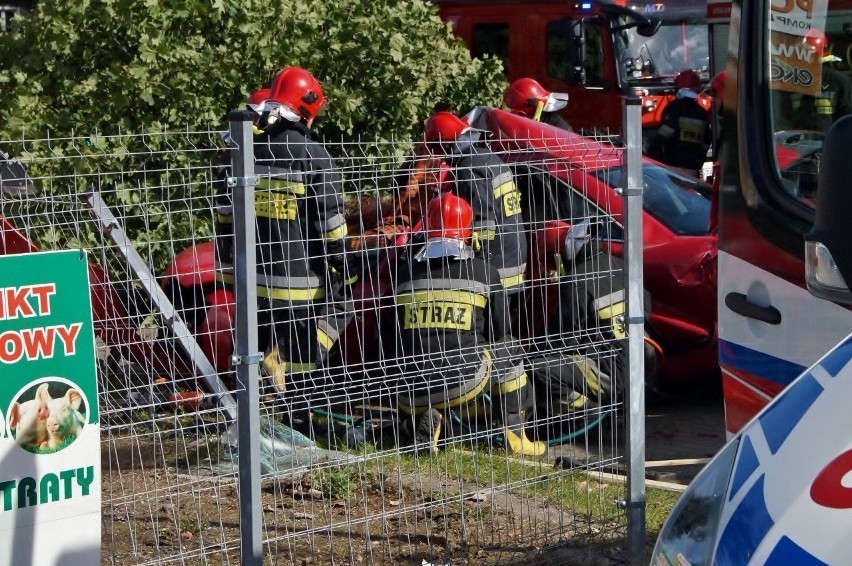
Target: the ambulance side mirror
pixel 828 246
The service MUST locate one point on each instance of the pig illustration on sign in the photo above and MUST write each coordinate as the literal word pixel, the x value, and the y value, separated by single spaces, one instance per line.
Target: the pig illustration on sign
pixel 64 419
pixel 28 420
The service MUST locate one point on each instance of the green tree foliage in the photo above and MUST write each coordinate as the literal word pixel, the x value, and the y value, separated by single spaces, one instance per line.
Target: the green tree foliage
pixel 134 65
pixel 91 75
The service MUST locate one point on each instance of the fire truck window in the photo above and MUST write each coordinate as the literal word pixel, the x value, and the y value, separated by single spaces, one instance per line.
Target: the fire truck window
pixel 594 55
pixel 562 54
pixel 492 39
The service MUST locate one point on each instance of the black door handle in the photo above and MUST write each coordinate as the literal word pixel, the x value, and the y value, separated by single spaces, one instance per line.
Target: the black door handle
pixel 740 304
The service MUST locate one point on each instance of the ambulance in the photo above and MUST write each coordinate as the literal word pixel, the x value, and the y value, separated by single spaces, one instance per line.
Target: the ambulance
pixel 780 491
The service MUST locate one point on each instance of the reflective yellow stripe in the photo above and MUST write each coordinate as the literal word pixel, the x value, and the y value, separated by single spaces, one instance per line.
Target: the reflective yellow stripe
pixel 302 367
pixel 281 185
pixel 281 206
pixel 465 297
pixel 324 340
pixel 450 403
pixel 280 294
pixel 224 218
pixel 351 281
pixel 511 385
pixel 504 189
pixel 512 281
pixel 337 234
pixel 610 313
pixel 590 373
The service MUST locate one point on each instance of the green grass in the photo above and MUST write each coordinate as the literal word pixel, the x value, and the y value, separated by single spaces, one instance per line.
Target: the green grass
pixel 590 494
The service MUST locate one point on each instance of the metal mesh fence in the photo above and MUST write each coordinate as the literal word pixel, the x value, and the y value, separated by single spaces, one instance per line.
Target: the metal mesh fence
pixel 356 467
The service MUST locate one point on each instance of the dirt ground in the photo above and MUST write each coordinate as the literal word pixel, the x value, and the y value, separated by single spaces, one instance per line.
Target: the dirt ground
pixel 173 499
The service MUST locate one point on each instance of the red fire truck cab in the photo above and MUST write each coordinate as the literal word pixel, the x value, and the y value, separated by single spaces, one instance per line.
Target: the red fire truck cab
pixel 597 51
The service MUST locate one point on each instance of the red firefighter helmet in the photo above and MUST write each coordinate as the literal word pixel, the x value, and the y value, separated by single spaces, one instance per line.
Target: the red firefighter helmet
pixel 525 94
pixel 444 127
pixel 553 236
pixel 687 79
pixel 449 216
pixel 256 99
pixel 256 104
pixel 816 40
pixel 295 95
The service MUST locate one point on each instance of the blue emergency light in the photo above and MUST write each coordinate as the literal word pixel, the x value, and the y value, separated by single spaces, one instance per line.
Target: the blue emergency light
pixel 585 6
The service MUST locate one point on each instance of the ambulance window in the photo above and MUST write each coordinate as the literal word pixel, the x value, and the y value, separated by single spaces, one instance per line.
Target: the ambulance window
pixel 809 88
pixel 491 39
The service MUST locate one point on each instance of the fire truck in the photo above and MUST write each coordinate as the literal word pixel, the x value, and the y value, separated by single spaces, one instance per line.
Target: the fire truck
pixel 597 51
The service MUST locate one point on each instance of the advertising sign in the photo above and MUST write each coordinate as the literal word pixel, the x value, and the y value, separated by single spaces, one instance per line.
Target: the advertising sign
pixel 50 472
pixel 795 64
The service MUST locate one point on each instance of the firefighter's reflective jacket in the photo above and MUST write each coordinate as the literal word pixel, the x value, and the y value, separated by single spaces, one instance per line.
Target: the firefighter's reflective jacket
pixel 683 136
pixel 301 229
pixel 447 314
pixel 481 178
pixel 831 102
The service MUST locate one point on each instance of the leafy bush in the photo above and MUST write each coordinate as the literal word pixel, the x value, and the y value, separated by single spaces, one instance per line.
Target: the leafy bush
pixel 129 65
pixel 87 77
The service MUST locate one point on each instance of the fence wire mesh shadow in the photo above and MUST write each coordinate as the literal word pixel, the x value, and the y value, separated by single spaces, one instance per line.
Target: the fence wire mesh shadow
pixel 347 477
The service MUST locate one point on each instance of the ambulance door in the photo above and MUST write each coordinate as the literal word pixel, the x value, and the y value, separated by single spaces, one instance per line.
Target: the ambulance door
pixel 770 327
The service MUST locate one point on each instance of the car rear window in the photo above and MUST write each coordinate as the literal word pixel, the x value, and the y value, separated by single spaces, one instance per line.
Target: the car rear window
pixel 681 203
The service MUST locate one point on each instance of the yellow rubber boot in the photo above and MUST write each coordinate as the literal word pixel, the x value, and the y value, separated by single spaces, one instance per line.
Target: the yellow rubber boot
pixel 275 369
pixel 517 441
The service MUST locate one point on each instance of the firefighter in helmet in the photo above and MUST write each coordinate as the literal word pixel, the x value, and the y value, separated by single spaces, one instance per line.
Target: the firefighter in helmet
pixel 684 134
pixel 578 358
pixel 449 324
pixel 302 266
pixel 834 98
pixel 479 176
pixel 526 96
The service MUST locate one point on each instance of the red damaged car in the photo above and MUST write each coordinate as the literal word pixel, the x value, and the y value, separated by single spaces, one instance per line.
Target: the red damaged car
pixel 569 177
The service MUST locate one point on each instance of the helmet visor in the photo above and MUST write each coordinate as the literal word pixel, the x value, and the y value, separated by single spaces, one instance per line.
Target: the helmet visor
pixel 278 110
pixel 576 239
pixel 444 247
pixel 556 101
